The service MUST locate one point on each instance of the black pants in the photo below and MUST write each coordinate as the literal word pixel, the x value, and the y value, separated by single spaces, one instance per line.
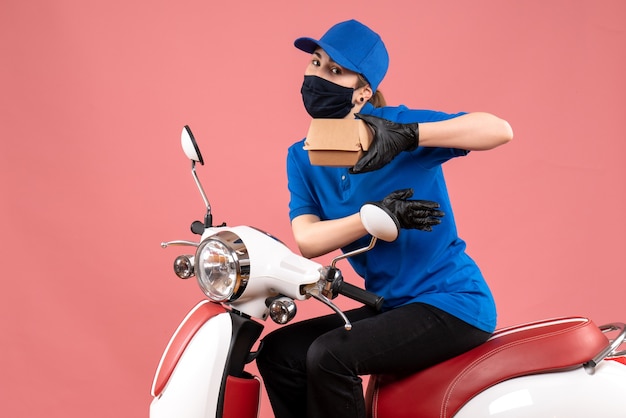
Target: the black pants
pixel 312 368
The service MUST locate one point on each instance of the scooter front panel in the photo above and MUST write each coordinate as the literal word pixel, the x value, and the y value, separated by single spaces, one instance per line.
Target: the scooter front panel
pixel 188 327
pixel 198 373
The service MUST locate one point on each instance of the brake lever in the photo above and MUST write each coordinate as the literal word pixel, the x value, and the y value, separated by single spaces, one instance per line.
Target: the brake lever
pixel 315 292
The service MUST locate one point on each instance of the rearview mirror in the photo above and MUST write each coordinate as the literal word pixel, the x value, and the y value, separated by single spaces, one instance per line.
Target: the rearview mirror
pixel 190 146
pixel 379 222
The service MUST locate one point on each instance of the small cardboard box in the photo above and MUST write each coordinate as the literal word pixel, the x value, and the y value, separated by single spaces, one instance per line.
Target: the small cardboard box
pixel 337 142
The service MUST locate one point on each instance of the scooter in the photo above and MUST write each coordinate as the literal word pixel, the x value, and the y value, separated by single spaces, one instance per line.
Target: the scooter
pixel 561 367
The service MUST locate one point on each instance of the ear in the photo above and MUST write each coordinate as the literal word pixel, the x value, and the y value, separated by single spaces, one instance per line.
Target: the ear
pixel 365 93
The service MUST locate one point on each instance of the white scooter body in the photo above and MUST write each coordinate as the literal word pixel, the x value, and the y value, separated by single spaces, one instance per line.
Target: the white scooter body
pixel 555 368
pixel 195 388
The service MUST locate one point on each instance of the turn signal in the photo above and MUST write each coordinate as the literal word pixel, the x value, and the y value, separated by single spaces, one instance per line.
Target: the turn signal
pixel 183 266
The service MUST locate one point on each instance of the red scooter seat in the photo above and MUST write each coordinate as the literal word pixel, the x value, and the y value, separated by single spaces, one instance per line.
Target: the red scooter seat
pixel 441 390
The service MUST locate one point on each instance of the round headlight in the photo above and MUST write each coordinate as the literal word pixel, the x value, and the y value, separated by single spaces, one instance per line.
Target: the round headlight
pixel 222 266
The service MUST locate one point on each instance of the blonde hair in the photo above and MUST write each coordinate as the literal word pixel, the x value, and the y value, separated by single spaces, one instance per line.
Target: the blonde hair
pixel 377 100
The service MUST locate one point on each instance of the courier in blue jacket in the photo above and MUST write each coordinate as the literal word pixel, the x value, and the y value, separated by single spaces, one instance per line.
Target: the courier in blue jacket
pixel 437 303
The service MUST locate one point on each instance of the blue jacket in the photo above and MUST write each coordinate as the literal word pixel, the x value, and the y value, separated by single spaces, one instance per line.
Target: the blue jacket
pixel 429 267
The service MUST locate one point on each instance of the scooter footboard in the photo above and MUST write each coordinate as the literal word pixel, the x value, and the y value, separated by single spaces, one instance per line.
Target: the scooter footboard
pixel 242 397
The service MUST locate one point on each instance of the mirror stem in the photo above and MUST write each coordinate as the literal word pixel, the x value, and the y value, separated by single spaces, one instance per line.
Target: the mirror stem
pixel 208 217
pixel 355 252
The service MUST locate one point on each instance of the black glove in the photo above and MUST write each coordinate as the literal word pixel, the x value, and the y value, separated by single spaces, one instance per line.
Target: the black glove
pixel 390 139
pixel 412 214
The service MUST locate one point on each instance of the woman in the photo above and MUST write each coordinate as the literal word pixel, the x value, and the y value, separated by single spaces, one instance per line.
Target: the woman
pixel 437 304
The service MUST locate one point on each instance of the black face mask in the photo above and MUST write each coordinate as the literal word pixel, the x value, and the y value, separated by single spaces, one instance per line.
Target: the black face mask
pixel 323 99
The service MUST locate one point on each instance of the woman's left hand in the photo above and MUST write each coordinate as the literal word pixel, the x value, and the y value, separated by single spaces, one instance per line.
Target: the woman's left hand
pixel 412 214
pixel 390 139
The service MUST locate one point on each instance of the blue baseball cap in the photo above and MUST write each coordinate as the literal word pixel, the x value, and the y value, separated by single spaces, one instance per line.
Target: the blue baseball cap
pixel 354 46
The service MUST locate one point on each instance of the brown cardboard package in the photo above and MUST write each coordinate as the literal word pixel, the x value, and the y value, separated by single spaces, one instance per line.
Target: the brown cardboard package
pixel 337 142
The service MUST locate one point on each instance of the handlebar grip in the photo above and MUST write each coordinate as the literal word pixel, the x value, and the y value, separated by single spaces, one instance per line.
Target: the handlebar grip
pixel 361 295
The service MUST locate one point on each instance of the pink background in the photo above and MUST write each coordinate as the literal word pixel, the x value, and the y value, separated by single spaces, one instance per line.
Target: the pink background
pixel 94 95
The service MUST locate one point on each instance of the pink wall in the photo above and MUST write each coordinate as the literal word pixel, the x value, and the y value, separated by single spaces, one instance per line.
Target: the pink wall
pixel 93 98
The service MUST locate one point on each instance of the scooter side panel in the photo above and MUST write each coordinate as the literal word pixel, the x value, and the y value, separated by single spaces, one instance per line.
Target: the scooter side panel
pixel 527 349
pixel 570 394
pixel 198 373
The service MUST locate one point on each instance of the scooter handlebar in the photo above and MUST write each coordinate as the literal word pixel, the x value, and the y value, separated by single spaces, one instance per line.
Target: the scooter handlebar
pixel 361 295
